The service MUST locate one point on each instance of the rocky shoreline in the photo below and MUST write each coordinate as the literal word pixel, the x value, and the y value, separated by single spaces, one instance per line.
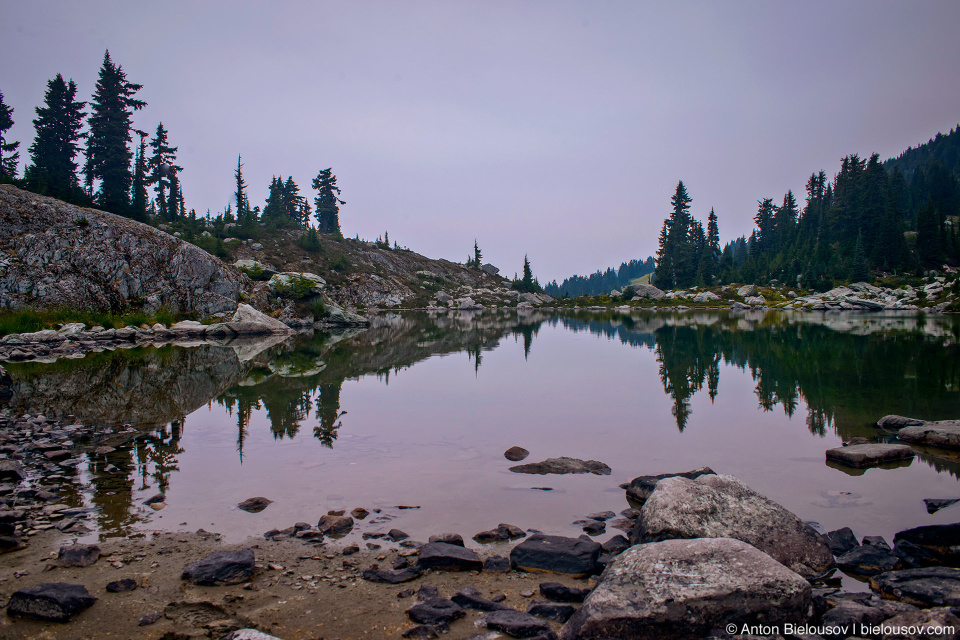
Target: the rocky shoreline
pixel 704 553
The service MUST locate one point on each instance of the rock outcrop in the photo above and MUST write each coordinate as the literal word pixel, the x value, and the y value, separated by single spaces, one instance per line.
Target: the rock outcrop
pixel 54 254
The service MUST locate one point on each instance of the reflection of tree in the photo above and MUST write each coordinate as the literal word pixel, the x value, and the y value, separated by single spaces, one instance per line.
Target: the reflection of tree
pixel 157 453
pixel 847 379
pixel 528 330
pixel 328 414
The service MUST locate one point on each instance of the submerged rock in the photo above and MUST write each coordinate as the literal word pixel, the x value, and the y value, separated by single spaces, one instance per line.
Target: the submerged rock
pixel 935 504
pixel 221 568
pixel 52 601
pixel 685 588
pixel 556 554
pixel 563 465
pixel 713 506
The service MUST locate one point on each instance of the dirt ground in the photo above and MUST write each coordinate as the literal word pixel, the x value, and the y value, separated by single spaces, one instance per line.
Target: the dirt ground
pixel 299 591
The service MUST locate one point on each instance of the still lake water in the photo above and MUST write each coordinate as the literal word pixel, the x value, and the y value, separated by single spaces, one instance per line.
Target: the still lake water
pixel 419 409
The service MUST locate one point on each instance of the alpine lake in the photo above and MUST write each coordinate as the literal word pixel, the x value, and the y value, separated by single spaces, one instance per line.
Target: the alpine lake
pixel 417 411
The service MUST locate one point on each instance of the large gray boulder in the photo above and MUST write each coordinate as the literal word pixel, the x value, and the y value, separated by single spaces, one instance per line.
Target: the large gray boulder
pixel 718 506
pixel 290 281
pixel 249 321
pixel 685 588
pixel 647 291
pixel 61 255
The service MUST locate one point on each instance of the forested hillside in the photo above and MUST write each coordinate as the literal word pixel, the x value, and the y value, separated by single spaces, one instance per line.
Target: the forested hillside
pixel 601 282
pixel 872 218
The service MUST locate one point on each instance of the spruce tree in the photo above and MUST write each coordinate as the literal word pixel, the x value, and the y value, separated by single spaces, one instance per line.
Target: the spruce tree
pixel 273 209
pixel 53 170
pixel 108 157
pixel 327 202
pixel 477 256
pixel 293 202
pixel 240 195
pixel 860 272
pixel 162 170
pixel 9 156
pixel 676 256
pixel 138 192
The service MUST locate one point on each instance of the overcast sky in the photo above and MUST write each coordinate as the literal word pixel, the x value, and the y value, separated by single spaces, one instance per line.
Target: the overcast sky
pixel 555 129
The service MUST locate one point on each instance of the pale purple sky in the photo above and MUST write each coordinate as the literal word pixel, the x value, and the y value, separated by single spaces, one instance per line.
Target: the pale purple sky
pixel 555 129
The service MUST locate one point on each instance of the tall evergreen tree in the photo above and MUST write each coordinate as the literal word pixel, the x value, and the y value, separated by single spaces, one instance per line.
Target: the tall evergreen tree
pixel 477 256
pixel 240 195
pixel 676 266
pixel 108 157
pixel 327 202
pixel 273 209
pixel 162 170
pixel 139 199
pixel 9 156
pixel 53 170
pixel 293 202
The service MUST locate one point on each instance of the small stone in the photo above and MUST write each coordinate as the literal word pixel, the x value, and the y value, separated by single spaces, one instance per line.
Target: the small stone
pixel 150 618
pixel 121 586
pixel 435 611
pixel 515 454
pixel 448 538
pixel 254 505
pixel 562 593
pixel 359 513
pixel 78 555
pixel 397 535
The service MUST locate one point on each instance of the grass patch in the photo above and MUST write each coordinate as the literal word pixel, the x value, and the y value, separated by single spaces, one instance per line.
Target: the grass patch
pixel 30 320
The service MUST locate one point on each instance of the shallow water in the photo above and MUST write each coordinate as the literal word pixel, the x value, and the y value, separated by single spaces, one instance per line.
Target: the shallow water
pixel 418 410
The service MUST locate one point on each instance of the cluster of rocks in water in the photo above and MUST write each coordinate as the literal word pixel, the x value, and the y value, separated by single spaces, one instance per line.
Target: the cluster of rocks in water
pixel 705 554
pixel 38 474
pixel 74 340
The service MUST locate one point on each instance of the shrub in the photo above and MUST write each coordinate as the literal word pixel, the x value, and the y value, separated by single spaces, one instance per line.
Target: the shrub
pixel 296 287
pixel 309 241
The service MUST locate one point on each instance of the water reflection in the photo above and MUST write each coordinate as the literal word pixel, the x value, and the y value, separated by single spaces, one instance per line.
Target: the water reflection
pixel 848 370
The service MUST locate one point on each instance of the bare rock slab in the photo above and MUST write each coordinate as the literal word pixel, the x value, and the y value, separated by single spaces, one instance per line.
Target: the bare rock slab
pixel 685 588
pixel 944 434
pixel 448 557
pixel 52 601
pixel 221 568
pixel 937 624
pixel 562 466
pixel 925 587
pixel 866 455
pixel 556 554
pixel 641 487
pixel 898 422
pixel 717 506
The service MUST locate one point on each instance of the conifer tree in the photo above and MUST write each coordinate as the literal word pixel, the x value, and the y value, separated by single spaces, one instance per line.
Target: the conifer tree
pixel 477 256
pixel 138 192
pixel 676 256
pixel 273 209
pixel 327 202
pixel 108 157
pixel 162 170
pixel 240 195
pixel 53 170
pixel 9 156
